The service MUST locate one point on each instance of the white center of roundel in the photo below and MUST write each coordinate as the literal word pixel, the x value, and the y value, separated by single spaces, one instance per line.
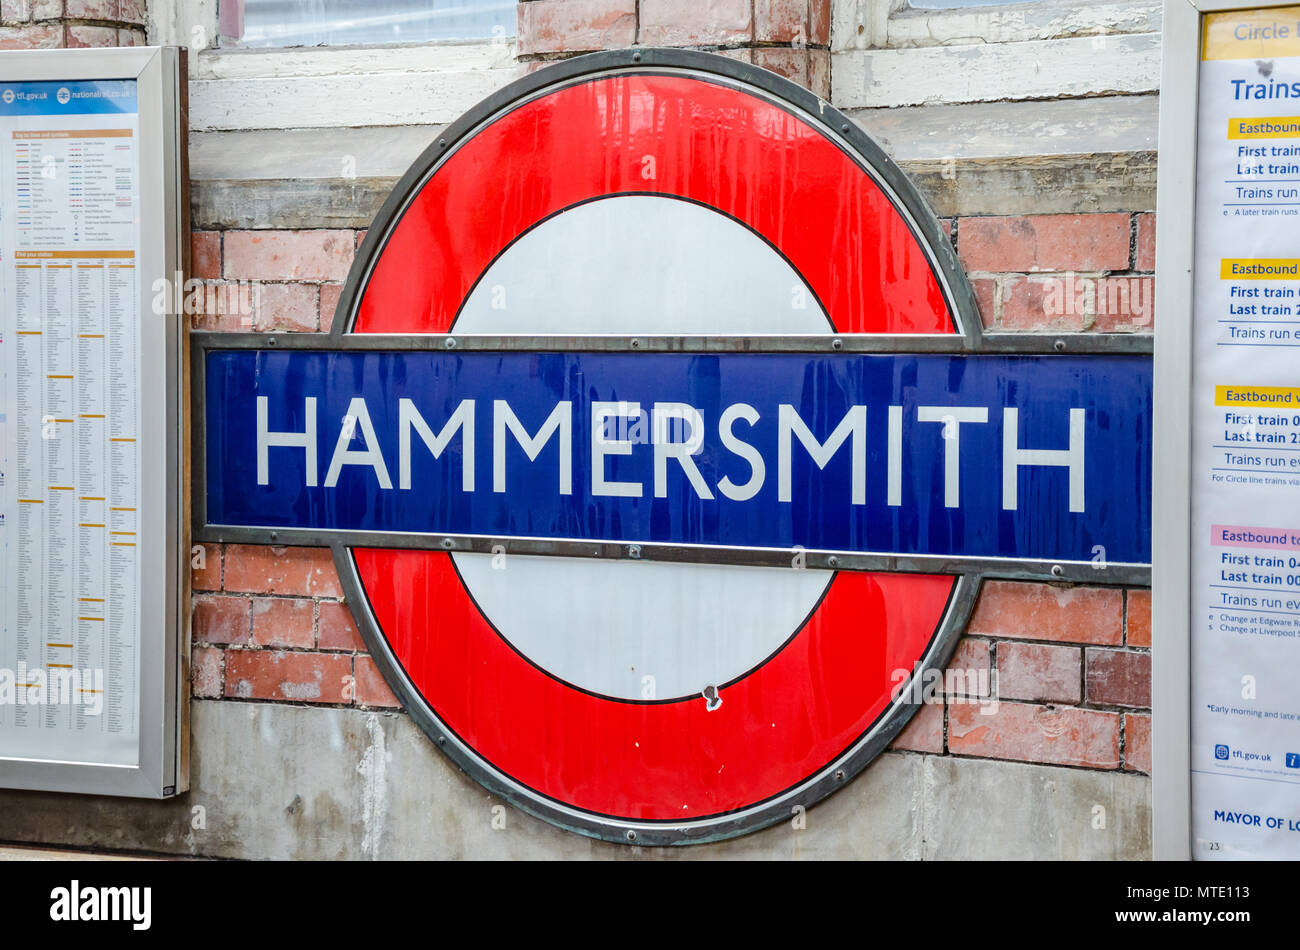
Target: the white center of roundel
pixel 626 265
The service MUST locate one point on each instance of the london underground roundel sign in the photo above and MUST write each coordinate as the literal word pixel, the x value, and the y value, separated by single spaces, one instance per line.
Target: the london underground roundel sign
pixel 661 451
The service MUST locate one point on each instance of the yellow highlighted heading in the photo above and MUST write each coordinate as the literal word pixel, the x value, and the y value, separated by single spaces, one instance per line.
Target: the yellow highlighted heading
pixel 67 255
pixel 75 134
pixel 1281 397
pixel 1267 127
pixel 1259 268
pixel 1252 34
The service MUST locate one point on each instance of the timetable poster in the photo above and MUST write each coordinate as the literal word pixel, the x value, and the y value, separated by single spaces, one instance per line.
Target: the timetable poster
pixel 1245 584
pixel 69 422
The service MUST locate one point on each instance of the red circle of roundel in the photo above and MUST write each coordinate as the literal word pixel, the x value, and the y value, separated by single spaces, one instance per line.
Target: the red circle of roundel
pixel 763 165
pixel 722 147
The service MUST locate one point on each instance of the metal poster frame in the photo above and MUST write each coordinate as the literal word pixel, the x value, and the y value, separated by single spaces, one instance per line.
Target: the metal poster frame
pixel 162 768
pixel 970 338
pixel 1171 777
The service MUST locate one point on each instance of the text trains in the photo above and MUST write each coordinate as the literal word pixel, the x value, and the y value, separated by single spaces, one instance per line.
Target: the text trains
pixel 677 432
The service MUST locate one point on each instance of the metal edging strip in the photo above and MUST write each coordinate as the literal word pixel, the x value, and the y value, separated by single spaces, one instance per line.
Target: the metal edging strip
pixel 793 558
pixel 1028 344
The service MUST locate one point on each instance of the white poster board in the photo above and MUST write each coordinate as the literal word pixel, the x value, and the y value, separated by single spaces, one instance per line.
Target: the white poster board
pixel 1241 455
pixel 91 182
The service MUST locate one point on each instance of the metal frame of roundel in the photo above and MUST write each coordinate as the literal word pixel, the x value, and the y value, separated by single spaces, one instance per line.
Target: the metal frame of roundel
pixel 929 599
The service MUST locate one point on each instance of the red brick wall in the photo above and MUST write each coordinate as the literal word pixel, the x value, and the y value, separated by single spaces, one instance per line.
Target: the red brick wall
pixel 1063 272
pixel 55 24
pixel 1070 669
pixel 296 277
pixel 790 37
pixel 270 624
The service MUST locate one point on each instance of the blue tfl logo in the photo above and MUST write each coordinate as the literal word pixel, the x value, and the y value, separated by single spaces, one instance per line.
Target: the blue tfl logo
pixel 1221 752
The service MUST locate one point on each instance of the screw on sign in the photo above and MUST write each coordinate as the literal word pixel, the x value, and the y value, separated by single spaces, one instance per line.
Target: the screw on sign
pixel 644 488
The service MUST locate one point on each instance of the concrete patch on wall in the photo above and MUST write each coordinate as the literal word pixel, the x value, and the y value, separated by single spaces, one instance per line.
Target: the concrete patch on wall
pixel 1005 810
pixel 287 782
